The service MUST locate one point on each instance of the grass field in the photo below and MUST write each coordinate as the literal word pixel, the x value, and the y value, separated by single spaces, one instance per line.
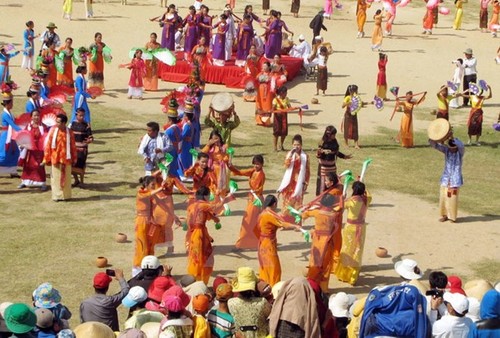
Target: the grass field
pixel 58 242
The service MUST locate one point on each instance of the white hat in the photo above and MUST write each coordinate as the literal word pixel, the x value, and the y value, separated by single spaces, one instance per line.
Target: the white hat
pixel 408 269
pixel 458 302
pixel 302 37
pixel 150 263
pixel 135 295
pixel 277 288
pixel 319 37
pixel 339 304
pixel 474 308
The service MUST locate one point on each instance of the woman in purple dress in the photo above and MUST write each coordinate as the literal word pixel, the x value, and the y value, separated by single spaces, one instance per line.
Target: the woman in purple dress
pixel 275 34
pixel 205 25
pixel 245 38
pixel 169 21
pixel 249 11
pixel 191 36
pixel 219 49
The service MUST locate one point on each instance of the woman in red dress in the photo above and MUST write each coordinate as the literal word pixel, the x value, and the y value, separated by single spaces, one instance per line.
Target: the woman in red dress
pixel 381 79
pixel 31 159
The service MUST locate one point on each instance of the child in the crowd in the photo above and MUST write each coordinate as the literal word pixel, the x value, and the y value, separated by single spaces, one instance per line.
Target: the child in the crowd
pixel 280 117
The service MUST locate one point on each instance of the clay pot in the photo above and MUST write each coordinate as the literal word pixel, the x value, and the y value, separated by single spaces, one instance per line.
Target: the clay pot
pixel 121 238
pixel 101 262
pixel 314 100
pixel 381 252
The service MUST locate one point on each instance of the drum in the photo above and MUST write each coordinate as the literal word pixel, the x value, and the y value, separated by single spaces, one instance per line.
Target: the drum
pixel 222 103
pixel 439 130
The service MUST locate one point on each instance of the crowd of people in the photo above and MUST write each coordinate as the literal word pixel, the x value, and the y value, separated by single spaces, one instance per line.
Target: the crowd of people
pixel 176 159
pixel 161 306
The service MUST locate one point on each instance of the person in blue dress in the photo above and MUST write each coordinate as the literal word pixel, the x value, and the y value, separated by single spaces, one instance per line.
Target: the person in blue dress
pixel 34 102
pixel 4 63
pixel 187 132
pixel 29 46
pixel 172 136
pixel 81 95
pixel 9 151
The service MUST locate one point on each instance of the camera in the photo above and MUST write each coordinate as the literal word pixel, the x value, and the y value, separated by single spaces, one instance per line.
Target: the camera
pixel 110 272
pixel 435 293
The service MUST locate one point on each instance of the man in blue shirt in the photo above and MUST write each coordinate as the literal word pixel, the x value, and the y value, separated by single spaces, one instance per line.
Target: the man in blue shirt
pixel 451 179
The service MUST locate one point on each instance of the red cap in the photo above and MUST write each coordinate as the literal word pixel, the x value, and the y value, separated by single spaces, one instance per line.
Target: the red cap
pixel 101 280
pixel 218 281
pixel 158 287
pixel 455 285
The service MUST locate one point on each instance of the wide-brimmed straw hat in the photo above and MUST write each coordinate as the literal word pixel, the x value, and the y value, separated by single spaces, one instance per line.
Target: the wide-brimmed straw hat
pixel 468 51
pixel 51 25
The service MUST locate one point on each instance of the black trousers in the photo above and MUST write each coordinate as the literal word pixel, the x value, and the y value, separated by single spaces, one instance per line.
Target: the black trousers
pixel 468 79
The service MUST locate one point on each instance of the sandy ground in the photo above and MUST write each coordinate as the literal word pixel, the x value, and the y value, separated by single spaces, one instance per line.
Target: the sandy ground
pixel 405 225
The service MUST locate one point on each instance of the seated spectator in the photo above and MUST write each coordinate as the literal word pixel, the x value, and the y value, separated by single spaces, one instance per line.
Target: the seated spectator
pixel 174 291
pixel 221 322
pixel 192 288
pixel 249 311
pixel 4 331
pixel 264 290
pixel 66 333
pixel 176 324
pixel 438 282
pixel 201 305
pixel 156 290
pixel 20 320
pixel 294 312
pixel 46 296
pixel 408 270
pixel 302 49
pixel 454 324
pixel 135 298
pixel 93 330
pixel 339 305
pixel 474 308
pixel 132 333
pixel 100 307
pixel 489 325
pixel 455 285
pixel 45 323
pixel 150 269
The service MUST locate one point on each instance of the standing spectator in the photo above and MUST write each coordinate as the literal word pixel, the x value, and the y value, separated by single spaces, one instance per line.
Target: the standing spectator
pixel 50 35
pixel 454 324
pixel 60 153
pixel 83 136
pixel 470 72
pixel 451 179
pixel 100 307
pixel 20 320
pixel 489 325
pixel 316 24
pixel 220 319
pixel 152 147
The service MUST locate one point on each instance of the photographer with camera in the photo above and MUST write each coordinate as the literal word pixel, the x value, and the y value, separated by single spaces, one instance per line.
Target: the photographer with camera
pixel 435 307
pixel 100 307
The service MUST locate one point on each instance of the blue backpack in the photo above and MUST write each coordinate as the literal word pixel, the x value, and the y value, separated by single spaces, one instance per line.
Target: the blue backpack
pixel 396 311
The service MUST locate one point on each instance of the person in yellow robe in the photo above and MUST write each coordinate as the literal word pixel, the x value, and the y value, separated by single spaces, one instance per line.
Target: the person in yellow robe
pixel 406 128
pixel 353 234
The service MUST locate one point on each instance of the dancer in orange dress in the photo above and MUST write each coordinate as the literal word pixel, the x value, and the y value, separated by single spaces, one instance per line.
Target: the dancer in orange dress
pixel 326 224
pixel 428 21
pixel 296 179
pixel 248 238
pixel 49 55
pixel 200 254
pixel 201 174
pixel 377 35
pixel 406 128
pixel 361 8
pixel 143 215
pixel 218 161
pixel 163 212
pixel 150 80
pixel 96 62
pixel 268 223
pixel 265 96
pixel 66 78
pixel 199 55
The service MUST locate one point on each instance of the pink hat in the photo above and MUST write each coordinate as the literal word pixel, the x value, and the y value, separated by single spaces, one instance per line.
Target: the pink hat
pixel 173 304
pixel 175 291
pixel 455 285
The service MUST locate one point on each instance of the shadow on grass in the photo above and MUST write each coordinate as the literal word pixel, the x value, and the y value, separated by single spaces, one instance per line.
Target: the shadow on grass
pixel 100 198
pixel 106 187
pixel 479 218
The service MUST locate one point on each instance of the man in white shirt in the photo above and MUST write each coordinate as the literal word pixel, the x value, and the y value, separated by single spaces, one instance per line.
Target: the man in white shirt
pixel 302 49
pixel 470 72
pixel 50 35
pixel 231 32
pixel 455 324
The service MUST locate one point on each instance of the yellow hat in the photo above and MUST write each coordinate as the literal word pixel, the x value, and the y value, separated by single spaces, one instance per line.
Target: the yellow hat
pixel 245 280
